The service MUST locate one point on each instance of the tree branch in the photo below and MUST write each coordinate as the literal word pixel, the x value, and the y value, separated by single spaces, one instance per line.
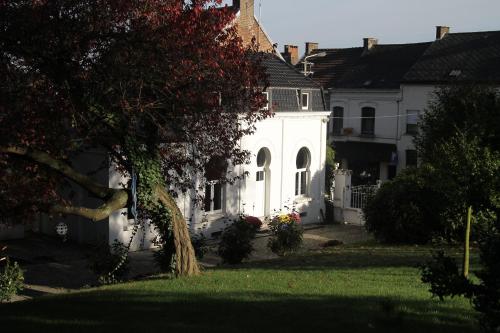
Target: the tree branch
pixel 115 198
pixel 86 182
pixel 117 201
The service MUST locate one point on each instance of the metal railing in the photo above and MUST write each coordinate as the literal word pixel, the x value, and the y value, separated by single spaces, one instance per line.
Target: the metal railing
pixel 361 194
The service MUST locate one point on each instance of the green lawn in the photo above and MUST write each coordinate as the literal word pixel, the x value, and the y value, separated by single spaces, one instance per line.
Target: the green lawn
pixel 347 289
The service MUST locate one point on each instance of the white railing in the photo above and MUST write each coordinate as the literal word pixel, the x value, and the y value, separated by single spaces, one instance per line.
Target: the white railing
pixel 359 195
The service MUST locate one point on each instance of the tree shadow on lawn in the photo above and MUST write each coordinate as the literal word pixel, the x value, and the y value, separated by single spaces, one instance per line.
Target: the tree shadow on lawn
pixel 145 311
pixel 356 257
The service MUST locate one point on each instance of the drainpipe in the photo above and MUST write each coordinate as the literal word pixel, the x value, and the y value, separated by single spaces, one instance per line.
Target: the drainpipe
pixel 282 161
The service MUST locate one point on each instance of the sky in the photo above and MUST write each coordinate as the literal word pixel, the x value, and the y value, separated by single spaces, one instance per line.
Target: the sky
pixel 344 23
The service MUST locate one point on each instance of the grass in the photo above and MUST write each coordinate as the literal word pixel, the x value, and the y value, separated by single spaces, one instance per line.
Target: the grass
pixel 367 288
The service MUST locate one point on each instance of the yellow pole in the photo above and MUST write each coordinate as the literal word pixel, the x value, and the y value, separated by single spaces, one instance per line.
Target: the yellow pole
pixel 466 245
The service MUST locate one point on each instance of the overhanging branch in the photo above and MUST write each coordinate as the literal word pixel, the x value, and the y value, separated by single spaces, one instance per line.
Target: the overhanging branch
pixel 40 157
pixel 115 198
pixel 117 201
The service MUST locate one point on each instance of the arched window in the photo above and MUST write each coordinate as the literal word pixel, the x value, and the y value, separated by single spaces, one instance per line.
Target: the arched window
pixel 303 163
pixel 263 161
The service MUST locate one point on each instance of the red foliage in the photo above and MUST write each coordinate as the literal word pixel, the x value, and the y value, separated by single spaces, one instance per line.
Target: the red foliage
pixel 254 221
pixel 103 73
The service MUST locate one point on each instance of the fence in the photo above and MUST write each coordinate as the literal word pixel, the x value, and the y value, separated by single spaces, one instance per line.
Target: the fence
pixel 361 194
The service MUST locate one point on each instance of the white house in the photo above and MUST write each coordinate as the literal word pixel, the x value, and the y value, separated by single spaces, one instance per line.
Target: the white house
pixel 286 169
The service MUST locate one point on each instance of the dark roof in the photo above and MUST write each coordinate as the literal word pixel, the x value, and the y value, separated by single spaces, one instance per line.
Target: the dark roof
pixel 463 57
pixel 329 69
pixel 382 67
pixel 281 74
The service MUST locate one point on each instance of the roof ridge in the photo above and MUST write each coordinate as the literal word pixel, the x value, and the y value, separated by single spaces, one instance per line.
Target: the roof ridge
pixel 472 32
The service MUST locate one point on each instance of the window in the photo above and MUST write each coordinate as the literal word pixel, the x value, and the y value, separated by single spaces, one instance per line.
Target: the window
pixel 214 191
pixel 412 121
pixel 215 99
pixel 305 101
pixel 303 162
pixel 266 96
pixel 368 121
pixel 213 196
pixel 263 161
pixel 338 120
pixel 411 158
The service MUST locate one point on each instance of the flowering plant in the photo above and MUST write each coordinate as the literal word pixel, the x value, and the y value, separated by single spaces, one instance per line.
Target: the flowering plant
pixel 253 221
pixel 286 218
pixel 236 240
pixel 286 232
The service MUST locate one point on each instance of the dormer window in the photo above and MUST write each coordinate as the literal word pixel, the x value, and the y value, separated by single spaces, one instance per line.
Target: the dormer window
pixel 266 96
pixel 304 101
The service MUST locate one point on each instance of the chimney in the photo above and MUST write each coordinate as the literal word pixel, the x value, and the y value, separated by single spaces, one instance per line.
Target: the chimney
pixel 246 7
pixel 369 43
pixel 441 31
pixel 291 54
pixel 310 47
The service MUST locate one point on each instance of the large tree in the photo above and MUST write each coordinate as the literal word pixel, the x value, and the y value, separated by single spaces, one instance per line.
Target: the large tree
pixel 460 143
pixel 162 86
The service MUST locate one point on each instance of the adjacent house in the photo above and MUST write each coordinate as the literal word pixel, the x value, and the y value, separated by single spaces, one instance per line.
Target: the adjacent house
pixel 377 92
pixel 469 57
pixel 249 26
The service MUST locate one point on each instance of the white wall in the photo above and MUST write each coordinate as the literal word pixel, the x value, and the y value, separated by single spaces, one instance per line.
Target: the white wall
pixel 284 135
pixel 415 97
pixel 385 103
pixel 392 106
pixel 120 228
pixel 387 111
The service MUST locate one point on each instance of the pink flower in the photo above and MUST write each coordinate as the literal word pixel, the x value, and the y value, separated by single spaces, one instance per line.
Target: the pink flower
pixel 295 217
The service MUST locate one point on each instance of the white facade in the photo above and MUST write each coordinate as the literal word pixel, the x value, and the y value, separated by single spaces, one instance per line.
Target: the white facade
pixel 394 110
pixel 415 98
pixel 282 137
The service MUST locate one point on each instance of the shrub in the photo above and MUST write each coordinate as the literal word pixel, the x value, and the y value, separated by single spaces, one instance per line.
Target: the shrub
pixel 486 298
pixel 199 243
pixel 236 240
pixel 11 280
pixel 109 263
pixel 406 210
pixel 446 280
pixel 286 233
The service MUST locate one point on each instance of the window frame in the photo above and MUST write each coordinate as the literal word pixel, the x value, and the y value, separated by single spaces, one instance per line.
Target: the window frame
pixel 302 174
pixel 414 130
pixel 408 153
pixel 337 131
pixel 211 209
pixel 366 120
pixel 266 95
pixel 302 94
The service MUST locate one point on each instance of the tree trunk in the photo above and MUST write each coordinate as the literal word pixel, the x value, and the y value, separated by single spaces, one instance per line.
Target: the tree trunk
pixel 186 264
pixel 185 260
pixel 465 269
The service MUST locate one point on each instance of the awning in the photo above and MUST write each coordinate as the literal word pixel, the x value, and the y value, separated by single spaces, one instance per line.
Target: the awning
pixel 366 151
